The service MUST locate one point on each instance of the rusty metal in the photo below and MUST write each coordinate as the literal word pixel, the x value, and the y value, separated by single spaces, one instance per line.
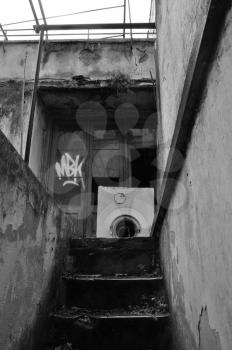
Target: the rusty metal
pixel 34 98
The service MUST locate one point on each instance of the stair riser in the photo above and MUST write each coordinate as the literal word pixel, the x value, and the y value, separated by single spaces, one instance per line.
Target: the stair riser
pixel 141 334
pixel 111 294
pixel 107 262
pixel 111 306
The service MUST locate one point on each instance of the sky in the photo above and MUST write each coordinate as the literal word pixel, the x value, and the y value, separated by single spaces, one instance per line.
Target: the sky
pixel 19 10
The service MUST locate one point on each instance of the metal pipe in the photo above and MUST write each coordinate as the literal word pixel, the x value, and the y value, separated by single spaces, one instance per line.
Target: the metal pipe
pixel 22 103
pixel 150 25
pixel 34 13
pixel 43 15
pixel 65 15
pixel 34 98
pixel 124 18
pixel 130 18
pixel 3 32
pixel 73 34
pixel 112 36
pixel 42 12
pixel 19 29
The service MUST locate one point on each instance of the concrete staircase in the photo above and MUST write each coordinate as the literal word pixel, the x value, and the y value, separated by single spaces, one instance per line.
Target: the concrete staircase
pixel 113 298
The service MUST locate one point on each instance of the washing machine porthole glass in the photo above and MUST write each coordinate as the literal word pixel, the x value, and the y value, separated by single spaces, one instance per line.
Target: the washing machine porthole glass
pixel 125 226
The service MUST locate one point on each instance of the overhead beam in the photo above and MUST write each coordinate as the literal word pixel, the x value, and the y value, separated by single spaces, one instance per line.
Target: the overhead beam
pixel 74 34
pixel 43 15
pixel 202 54
pixel 38 28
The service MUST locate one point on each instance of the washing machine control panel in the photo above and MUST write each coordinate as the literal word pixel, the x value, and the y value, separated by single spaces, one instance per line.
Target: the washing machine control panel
pixel 119 198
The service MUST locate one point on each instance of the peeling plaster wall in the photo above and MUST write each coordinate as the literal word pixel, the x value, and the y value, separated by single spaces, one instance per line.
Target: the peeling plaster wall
pixel 12 123
pixel 15 126
pixel 96 60
pixel 196 241
pixel 32 247
pixel 61 61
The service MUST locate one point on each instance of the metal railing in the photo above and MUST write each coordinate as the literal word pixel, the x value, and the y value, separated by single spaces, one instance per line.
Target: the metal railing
pixel 89 31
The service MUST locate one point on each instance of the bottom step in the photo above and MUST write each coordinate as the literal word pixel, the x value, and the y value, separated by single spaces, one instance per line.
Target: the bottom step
pixel 104 330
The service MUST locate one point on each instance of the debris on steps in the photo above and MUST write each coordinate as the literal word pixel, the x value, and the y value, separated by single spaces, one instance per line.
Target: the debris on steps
pixel 118 306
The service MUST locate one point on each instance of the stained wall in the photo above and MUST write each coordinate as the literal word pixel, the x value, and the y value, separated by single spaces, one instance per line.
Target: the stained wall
pixel 33 236
pixel 196 239
pixel 64 63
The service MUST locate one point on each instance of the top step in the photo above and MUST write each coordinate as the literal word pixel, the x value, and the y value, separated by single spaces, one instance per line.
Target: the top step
pixel 113 256
pixel 145 243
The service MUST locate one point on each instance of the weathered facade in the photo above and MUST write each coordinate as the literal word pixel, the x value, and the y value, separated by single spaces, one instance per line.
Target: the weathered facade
pixel 105 80
pixel 33 246
pixel 64 65
pixel 196 235
pixel 82 84
pixel 96 124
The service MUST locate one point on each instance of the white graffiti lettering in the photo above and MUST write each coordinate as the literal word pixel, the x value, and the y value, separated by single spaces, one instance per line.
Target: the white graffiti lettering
pixel 70 168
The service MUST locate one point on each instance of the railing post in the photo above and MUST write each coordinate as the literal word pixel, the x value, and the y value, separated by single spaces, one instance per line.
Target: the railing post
pixel 124 19
pixel 34 97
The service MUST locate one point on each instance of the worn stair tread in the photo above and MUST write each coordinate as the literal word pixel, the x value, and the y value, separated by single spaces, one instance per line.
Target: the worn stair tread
pixel 94 292
pixel 119 278
pixel 82 314
pixel 112 329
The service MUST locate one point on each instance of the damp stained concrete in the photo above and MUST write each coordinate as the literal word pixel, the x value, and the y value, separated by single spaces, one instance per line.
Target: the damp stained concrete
pixel 65 64
pixel 196 237
pixel 32 248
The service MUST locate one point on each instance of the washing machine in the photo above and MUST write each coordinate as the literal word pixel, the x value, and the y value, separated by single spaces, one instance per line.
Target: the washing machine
pixel 124 212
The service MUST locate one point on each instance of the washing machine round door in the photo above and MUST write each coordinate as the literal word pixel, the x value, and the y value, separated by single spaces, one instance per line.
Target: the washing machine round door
pixel 125 226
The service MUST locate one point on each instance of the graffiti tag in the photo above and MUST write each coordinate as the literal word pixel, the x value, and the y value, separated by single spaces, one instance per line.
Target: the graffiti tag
pixel 70 168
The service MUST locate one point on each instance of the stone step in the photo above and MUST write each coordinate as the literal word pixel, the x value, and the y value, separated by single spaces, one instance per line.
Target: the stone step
pixel 112 291
pixel 113 256
pixel 140 329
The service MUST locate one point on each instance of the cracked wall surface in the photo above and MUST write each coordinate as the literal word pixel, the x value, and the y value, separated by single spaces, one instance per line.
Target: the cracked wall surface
pixel 32 247
pixel 196 238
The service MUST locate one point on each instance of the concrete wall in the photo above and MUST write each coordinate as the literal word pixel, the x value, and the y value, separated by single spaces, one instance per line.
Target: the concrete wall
pixel 32 246
pixel 196 239
pixel 12 123
pixel 61 61
pixel 98 60
pixel 178 22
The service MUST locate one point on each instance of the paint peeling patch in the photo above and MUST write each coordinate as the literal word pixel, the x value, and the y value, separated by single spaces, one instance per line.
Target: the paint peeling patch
pixel 90 55
pixel 50 48
pixel 208 338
